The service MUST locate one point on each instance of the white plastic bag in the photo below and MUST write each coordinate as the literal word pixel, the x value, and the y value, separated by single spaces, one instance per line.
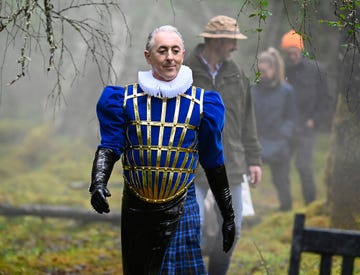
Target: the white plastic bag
pixel 248 208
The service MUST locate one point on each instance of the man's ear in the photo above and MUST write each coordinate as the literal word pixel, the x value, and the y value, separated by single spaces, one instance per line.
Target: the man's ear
pixel 183 57
pixel 147 56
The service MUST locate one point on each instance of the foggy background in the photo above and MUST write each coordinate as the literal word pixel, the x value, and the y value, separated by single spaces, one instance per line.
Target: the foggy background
pixel 46 148
pixel 28 98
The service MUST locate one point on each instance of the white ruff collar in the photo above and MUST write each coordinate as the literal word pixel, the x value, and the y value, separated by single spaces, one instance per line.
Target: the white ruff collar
pixel 173 88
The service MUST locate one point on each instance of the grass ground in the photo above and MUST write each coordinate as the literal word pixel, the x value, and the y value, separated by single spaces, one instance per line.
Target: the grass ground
pixel 36 168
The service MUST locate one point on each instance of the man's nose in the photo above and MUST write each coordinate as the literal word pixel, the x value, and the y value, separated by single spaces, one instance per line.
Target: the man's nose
pixel 170 55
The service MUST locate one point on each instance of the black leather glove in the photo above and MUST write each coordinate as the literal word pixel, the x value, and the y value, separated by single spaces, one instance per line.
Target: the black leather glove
pixel 101 170
pixel 219 186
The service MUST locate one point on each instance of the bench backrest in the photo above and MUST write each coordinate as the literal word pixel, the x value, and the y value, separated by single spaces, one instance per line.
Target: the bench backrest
pixel 327 243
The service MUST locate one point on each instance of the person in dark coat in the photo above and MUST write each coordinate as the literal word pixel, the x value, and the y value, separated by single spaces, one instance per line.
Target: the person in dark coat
pixel 313 103
pixel 275 112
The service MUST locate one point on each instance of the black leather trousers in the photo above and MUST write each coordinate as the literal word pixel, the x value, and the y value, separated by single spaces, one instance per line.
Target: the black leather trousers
pixel 146 231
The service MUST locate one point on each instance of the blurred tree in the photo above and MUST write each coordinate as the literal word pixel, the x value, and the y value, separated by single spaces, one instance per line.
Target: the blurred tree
pixel 343 173
pixel 42 25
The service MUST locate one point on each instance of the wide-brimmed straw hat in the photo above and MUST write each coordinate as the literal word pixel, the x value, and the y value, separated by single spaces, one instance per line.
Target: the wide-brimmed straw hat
pixel 222 26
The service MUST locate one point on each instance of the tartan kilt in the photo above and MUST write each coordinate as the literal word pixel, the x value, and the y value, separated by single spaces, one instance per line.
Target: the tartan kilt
pixel 183 256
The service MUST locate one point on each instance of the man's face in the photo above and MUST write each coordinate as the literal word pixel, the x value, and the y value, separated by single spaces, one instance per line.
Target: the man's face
pixel 166 55
pixel 293 55
pixel 225 47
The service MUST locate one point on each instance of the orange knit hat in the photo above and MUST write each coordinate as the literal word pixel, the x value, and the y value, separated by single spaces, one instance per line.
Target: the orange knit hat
pixel 292 39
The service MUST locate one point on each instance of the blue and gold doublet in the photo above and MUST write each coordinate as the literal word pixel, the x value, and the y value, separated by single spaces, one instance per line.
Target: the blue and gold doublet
pixel 161 139
pixel 161 152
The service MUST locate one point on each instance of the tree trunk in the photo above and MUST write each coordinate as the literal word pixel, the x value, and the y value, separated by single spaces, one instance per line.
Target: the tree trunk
pixel 343 169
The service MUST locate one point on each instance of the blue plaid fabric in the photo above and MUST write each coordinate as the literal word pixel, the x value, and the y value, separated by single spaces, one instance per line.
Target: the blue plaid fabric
pixel 183 256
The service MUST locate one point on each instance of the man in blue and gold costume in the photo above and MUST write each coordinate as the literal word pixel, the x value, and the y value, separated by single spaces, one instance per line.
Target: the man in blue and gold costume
pixel 162 126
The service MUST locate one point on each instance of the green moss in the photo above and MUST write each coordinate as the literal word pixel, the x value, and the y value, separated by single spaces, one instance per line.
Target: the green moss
pixel 39 168
pixel 43 246
pixel 13 130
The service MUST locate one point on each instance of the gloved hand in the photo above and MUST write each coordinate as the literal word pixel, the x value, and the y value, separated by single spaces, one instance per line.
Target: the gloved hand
pixel 102 167
pixel 219 186
pixel 228 231
pixel 98 199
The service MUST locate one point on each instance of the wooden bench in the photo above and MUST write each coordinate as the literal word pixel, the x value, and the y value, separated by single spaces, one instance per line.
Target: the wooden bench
pixel 327 243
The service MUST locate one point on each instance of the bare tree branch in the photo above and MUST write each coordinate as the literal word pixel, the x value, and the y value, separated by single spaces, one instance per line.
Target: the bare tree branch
pixel 258 11
pixel 54 26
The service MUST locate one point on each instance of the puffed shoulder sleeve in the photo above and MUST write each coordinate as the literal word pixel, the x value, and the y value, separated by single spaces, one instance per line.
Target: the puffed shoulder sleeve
pixel 110 113
pixel 210 133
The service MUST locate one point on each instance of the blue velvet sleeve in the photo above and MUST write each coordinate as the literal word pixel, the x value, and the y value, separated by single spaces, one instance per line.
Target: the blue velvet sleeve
pixel 111 117
pixel 210 133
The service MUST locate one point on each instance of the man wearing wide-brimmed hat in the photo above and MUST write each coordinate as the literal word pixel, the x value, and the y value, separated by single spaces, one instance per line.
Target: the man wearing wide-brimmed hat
pixel 214 70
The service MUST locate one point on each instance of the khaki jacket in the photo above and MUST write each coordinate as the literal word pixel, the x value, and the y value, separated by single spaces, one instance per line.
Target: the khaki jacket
pixel 240 140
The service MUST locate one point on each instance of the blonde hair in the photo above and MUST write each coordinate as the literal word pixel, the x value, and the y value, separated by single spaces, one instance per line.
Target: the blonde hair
pixel 272 57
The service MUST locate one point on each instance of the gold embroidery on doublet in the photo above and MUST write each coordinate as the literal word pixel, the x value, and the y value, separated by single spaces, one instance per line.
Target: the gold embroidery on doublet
pixel 159 170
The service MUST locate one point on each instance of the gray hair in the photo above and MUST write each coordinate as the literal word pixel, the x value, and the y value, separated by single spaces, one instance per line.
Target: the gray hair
pixel 166 28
